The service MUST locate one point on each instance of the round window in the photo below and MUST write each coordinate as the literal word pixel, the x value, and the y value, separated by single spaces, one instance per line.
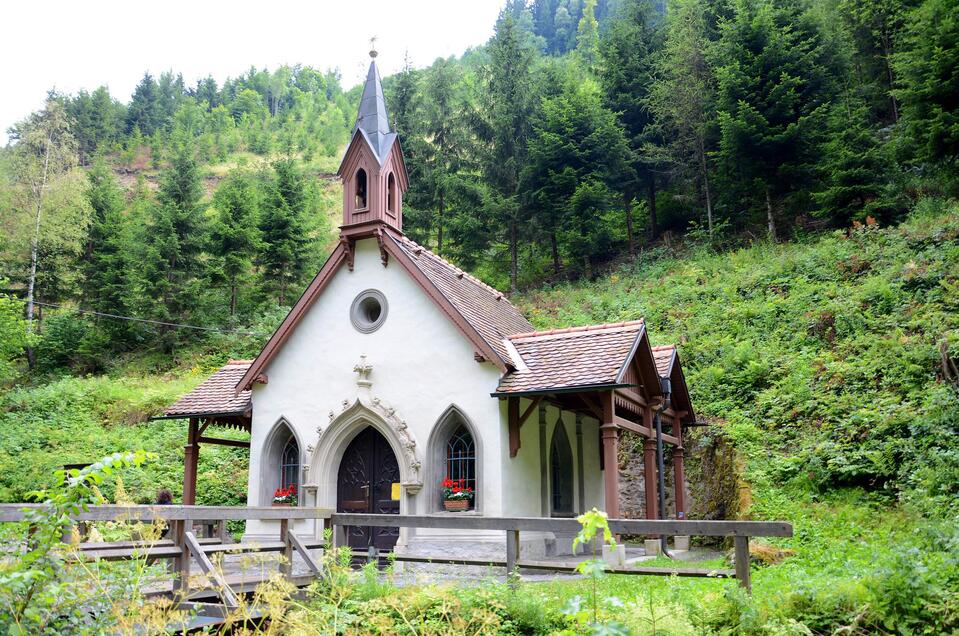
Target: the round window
pixel 368 311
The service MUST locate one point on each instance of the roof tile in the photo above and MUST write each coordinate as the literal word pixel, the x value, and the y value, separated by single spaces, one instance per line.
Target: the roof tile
pixel 216 395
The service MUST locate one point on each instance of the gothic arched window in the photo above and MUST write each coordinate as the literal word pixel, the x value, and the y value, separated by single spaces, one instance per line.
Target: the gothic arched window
pixel 461 458
pixel 361 189
pixel 290 465
pixel 391 193
pixel 561 472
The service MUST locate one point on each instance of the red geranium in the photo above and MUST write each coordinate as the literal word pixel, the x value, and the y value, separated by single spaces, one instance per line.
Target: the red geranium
pixel 454 489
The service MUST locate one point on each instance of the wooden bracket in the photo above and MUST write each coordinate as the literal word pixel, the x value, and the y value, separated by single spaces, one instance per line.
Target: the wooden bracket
pixel 348 248
pixel 384 253
pixel 516 420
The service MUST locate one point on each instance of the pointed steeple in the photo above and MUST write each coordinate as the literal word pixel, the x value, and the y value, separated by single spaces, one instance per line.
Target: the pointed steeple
pixel 373 171
pixel 372 118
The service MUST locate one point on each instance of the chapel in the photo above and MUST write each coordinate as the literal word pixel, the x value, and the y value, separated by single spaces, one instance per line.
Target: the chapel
pixel 396 371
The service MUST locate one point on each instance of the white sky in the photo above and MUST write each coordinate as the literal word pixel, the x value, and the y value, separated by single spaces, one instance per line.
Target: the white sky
pixel 72 45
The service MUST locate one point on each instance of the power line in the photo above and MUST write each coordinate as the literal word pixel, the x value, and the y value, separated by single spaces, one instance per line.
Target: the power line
pixel 147 321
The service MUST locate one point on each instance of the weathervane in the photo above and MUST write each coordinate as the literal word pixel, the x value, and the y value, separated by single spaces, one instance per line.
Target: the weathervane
pixel 373 47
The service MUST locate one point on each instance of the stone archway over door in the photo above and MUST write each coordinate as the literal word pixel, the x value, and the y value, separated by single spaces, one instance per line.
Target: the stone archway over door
pixel 368 478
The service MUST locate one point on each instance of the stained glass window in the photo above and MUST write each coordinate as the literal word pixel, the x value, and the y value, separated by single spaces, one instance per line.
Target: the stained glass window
pixel 290 465
pixel 461 458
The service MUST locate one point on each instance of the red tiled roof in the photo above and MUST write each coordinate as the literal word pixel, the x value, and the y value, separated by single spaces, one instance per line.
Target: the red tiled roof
pixel 663 355
pixel 484 308
pixel 216 395
pixel 568 358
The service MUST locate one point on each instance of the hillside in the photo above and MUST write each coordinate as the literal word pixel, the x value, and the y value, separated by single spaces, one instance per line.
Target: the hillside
pixel 817 361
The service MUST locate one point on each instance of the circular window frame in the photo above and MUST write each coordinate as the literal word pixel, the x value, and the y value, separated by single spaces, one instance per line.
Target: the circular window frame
pixel 357 317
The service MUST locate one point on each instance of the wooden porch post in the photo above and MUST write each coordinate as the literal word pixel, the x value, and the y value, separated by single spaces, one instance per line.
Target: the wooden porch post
pixel 649 467
pixel 191 453
pixel 679 474
pixel 610 434
pixel 649 477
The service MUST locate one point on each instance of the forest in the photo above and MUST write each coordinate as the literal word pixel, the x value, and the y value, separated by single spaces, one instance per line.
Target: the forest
pixel 773 184
pixel 581 134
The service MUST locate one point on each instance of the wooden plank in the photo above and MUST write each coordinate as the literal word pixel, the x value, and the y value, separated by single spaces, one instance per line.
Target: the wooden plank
pixel 15 512
pixel 546 524
pixel 742 561
pixel 120 545
pixel 286 565
pixel 226 593
pixel 512 555
pixel 304 551
pixel 409 558
pixel 164 552
pixel 512 412
pixel 225 442
pixel 631 426
pixel 529 409
pixel 685 572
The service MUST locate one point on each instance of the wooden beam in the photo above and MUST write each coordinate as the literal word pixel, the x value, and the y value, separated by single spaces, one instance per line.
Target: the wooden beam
pixel 512 410
pixel 225 442
pixel 595 408
pixel 632 397
pixel 529 409
pixel 649 478
pixel 191 456
pixel 629 425
pixel 610 433
pixel 223 589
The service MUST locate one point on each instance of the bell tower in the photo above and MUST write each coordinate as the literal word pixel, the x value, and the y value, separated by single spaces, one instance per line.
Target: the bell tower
pixel 373 171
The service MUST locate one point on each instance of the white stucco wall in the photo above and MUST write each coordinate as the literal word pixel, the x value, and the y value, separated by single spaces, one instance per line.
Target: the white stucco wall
pixel 421 365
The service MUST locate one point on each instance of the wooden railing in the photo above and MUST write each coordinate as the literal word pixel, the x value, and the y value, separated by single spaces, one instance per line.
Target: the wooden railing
pixel 184 544
pixel 740 531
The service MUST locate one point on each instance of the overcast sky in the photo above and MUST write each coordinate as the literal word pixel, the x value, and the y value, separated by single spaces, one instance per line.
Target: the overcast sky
pixel 72 45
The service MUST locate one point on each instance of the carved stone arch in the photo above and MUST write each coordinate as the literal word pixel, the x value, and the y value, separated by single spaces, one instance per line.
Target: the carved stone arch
pixel 334 438
pixel 447 423
pixel 273 445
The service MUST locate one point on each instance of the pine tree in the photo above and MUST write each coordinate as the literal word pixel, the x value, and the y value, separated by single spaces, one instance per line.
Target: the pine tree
pixel 144 112
pixel 235 234
pixel 929 75
pixel 683 99
pixel 508 111
pixel 587 36
pixel 774 84
pixel 284 244
pixel 628 49
pixel 578 158
pixel 108 259
pixel 173 276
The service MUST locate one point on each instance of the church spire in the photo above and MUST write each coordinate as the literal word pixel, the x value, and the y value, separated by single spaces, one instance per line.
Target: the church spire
pixel 373 171
pixel 372 118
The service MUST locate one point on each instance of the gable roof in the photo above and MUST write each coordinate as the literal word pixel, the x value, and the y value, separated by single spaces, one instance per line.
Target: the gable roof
pixel 575 358
pixel 667 363
pixel 664 356
pixel 486 309
pixel 215 396
pixel 482 314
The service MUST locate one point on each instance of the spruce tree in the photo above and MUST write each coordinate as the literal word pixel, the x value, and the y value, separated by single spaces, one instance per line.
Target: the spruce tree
pixel 283 248
pixel 235 235
pixel 108 255
pixel 774 87
pixel 173 276
pixel 508 111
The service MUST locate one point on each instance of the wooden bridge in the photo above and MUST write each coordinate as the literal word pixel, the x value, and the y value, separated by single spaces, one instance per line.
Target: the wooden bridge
pixel 184 547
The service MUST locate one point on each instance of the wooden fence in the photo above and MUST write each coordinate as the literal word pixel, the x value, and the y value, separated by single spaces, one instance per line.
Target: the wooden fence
pixel 183 544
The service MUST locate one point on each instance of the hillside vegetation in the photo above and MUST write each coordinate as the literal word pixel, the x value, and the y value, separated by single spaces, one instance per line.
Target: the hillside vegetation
pixel 819 361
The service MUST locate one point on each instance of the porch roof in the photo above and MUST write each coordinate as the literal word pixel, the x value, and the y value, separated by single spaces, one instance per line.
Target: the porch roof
pixel 216 396
pixel 594 356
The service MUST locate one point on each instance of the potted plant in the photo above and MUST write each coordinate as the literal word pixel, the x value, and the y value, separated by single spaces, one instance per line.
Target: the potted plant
pixel 285 496
pixel 456 496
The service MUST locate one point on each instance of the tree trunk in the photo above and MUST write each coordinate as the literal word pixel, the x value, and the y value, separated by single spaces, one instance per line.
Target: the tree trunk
pixel 887 54
pixel 653 223
pixel 769 215
pixel 38 189
pixel 709 198
pixel 233 296
pixel 439 225
pixel 554 246
pixel 628 205
pixel 513 256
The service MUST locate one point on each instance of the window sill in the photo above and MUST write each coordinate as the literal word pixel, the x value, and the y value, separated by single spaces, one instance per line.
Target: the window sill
pixel 458 513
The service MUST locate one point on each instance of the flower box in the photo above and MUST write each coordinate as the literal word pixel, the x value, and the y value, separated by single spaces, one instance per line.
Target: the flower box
pixel 282 505
pixel 456 505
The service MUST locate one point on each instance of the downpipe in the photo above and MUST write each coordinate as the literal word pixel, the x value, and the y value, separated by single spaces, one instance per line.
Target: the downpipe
pixel 661 464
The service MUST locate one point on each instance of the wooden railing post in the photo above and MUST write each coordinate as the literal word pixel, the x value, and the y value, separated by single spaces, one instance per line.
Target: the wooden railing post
pixel 182 562
pixel 286 566
pixel 742 561
pixel 512 555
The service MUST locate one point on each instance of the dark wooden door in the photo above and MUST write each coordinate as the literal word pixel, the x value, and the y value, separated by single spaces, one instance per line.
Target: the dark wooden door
pixel 365 484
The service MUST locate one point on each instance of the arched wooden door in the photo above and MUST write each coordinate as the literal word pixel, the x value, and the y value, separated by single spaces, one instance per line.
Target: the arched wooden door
pixel 365 482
